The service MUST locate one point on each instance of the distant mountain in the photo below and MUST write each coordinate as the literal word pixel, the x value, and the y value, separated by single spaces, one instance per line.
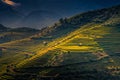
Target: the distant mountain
pixel 39 19
pixel 24 29
pixel 3 28
pixel 12 34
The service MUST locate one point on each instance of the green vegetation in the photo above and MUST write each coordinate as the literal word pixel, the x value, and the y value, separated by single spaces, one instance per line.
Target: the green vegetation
pixel 83 47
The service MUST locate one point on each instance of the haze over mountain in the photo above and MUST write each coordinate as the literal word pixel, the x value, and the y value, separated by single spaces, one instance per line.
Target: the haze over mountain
pixel 51 10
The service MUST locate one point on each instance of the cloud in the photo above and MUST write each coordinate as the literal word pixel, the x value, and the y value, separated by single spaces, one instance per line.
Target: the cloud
pixel 11 3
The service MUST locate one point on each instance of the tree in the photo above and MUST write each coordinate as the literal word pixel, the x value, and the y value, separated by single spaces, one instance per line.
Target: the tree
pixel 55 24
pixel 65 20
pixel 61 20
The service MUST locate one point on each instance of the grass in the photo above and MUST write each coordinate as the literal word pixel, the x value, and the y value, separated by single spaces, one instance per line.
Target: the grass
pixel 91 47
pixel 92 39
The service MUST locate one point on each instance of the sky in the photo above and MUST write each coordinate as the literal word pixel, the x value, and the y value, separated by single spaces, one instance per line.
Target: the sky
pixel 64 6
pixel 60 8
pixel 10 2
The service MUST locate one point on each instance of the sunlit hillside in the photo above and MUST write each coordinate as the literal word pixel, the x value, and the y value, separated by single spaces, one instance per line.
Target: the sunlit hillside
pixel 82 47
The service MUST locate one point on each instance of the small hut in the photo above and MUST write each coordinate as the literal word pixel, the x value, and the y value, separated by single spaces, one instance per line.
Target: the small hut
pixel 45 43
pixel 80 44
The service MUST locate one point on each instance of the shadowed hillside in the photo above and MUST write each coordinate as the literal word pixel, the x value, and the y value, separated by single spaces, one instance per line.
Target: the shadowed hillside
pixel 12 34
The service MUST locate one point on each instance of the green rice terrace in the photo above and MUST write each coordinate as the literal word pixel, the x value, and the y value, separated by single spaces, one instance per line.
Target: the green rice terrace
pixel 82 47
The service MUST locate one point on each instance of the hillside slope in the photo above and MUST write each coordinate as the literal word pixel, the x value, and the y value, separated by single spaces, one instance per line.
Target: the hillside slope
pixel 81 47
pixel 12 34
